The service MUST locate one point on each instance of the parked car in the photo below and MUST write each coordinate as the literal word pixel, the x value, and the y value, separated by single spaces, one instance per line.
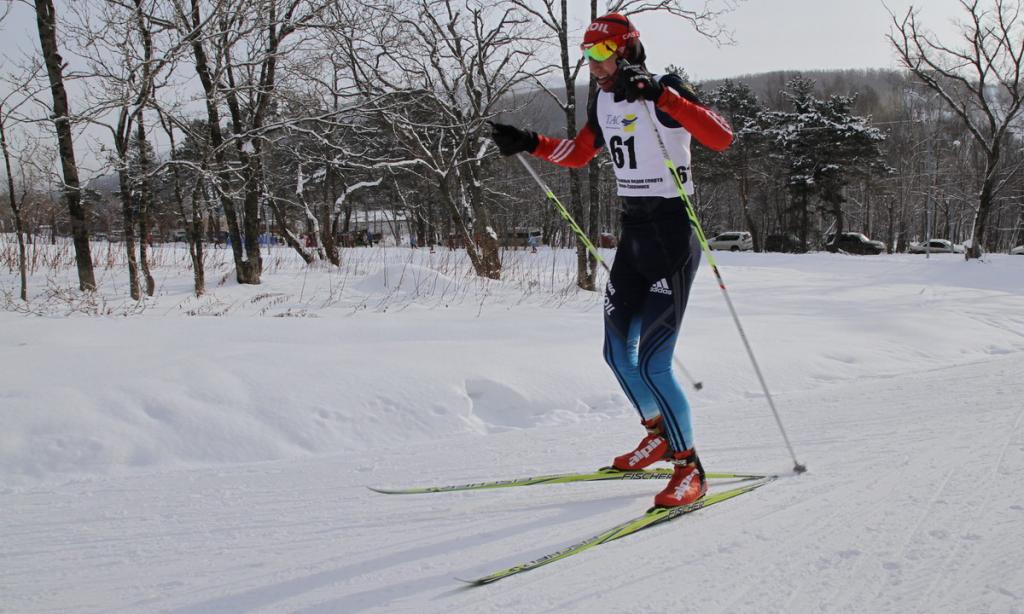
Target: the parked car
pixel 789 243
pixel 732 241
pixel 935 246
pixel 854 243
pixel 1018 251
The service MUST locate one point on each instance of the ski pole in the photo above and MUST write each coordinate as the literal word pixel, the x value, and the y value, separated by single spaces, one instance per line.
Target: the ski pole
pixel 590 246
pixel 564 213
pixel 692 214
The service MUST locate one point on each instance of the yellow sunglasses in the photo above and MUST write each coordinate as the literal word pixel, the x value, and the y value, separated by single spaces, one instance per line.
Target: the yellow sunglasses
pixel 599 52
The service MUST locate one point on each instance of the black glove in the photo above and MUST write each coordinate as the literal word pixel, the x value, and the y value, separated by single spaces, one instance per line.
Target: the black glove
pixel 632 81
pixel 511 140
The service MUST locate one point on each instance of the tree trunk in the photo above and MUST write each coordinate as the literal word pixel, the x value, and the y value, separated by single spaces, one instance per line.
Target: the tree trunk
pixel 743 187
pixel 46 22
pixel 985 199
pixel 329 235
pixel 251 269
pixel 128 222
pixel 195 250
pixel 585 263
pixel 244 272
pixel 145 195
pixel 490 254
pixel 805 221
pixel 594 201
pixel 479 258
pixel 289 237
pixel 15 210
pixel 194 221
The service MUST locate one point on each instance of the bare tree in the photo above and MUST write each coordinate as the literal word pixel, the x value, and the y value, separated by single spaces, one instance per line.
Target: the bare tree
pixel 326 144
pixel 191 214
pixel 432 72
pixel 554 14
pixel 15 202
pixel 46 22
pixel 12 194
pixel 237 46
pixel 980 81
pixel 117 39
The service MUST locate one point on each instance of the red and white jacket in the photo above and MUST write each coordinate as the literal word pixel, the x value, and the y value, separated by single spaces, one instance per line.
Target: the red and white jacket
pixel 624 127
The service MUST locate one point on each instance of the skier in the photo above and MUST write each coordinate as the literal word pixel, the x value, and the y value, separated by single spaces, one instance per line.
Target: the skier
pixel 658 253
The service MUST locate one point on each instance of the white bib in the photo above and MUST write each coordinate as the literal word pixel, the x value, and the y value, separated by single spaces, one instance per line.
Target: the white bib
pixel 639 163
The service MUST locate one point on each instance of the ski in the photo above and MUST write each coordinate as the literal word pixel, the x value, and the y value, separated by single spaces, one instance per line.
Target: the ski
pixel 653 517
pixel 601 475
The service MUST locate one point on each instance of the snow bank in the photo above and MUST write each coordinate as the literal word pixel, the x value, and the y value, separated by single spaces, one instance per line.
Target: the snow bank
pixel 405 348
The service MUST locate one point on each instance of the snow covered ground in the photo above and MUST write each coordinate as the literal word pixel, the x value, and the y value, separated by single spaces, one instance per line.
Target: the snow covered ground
pixel 210 455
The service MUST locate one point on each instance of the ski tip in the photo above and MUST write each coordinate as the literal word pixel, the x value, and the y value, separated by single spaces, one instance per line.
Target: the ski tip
pixel 469 583
pixel 385 491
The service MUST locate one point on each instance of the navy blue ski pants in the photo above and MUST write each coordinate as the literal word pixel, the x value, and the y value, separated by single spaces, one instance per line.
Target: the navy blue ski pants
pixel 656 261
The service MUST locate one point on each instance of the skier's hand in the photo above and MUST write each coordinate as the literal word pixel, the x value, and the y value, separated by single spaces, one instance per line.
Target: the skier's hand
pixel 511 140
pixel 633 82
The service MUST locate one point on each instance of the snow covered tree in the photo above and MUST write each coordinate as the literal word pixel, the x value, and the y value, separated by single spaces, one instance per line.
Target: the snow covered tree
pixel 237 47
pixel 325 154
pixel 980 80
pixel 743 162
pixel 823 146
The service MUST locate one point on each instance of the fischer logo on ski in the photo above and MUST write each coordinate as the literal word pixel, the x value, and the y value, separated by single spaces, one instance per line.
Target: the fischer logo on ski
pixel 605 474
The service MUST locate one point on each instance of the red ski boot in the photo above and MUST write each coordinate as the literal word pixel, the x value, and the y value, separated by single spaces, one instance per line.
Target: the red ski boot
pixel 687 483
pixel 650 450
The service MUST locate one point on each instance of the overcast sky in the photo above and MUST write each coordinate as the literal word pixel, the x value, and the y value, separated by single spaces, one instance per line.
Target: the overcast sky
pixel 770 35
pixel 791 34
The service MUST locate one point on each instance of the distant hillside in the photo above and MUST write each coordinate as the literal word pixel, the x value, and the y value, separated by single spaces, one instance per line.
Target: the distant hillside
pixel 878 95
pixel 106 185
pixel 878 91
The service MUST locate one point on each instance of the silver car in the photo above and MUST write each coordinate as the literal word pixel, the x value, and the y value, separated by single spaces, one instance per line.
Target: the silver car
pixel 733 241
pixel 935 246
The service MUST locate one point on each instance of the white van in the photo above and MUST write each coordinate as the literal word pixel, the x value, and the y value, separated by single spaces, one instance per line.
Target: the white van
pixel 733 241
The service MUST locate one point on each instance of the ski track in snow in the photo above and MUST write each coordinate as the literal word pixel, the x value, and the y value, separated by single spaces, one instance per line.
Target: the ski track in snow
pixel 194 465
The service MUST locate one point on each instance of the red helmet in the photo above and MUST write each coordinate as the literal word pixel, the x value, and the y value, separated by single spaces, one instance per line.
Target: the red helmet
pixel 613 27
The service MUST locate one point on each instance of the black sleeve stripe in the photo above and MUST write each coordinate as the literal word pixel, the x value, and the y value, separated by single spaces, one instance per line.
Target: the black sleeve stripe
pixel 676 83
pixel 592 120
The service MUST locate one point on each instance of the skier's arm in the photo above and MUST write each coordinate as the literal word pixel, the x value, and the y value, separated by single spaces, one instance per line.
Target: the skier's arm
pixel 682 105
pixel 573 153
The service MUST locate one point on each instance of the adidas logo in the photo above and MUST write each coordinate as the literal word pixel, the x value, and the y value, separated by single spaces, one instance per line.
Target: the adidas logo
pixel 661 287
